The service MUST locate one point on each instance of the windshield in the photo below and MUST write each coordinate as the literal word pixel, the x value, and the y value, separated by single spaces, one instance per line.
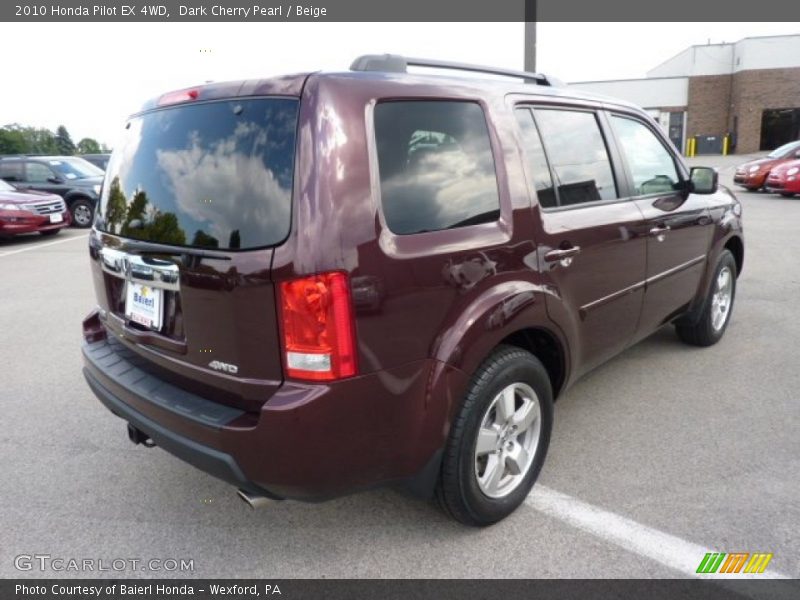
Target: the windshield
pixel 786 148
pixel 6 187
pixel 75 168
pixel 212 175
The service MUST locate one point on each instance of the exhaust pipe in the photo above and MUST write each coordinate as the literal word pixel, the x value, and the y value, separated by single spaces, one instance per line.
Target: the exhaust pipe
pixel 254 501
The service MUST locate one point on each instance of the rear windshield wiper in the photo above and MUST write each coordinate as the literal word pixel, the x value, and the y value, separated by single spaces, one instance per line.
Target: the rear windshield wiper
pixel 141 247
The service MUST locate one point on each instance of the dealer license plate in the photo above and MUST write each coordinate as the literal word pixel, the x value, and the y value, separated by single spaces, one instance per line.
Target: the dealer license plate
pixel 143 305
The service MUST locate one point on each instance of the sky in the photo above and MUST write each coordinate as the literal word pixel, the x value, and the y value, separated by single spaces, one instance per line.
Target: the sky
pixel 93 85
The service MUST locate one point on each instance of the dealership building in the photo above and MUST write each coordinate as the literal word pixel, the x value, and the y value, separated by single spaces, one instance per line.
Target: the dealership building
pixel 748 90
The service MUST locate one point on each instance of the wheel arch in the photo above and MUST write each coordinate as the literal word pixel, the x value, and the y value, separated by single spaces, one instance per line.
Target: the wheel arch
pixel 735 245
pixel 74 195
pixel 545 346
pixel 511 313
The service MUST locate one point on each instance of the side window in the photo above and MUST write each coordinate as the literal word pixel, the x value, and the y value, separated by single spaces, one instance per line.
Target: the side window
pixel 536 162
pixel 651 164
pixel 436 165
pixel 578 155
pixel 11 170
pixel 37 172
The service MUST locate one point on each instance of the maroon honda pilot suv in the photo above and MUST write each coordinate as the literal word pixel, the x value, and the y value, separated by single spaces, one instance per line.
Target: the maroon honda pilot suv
pixel 319 283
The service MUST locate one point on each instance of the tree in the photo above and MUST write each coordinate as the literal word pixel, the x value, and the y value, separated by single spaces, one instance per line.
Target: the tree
pixel 12 141
pixel 88 146
pixel 136 212
pixel 40 140
pixel 16 139
pixel 116 208
pixel 204 240
pixel 165 229
pixel 19 139
pixel 64 143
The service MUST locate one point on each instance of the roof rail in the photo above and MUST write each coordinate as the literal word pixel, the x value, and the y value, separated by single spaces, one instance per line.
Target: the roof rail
pixel 394 63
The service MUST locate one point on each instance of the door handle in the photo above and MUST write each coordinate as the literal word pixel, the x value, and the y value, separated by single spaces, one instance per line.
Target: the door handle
pixel 659 232
pixel 563 256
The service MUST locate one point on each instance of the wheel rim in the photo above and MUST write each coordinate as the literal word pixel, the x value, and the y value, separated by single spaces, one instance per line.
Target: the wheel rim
pixel 721 299
pixel 82 214
pixel 508 439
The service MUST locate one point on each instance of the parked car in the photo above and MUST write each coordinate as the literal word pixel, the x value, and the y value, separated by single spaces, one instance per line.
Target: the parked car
pixel 30 212
pixel 502 239
pixel 785 179
pixel 98 160
pixel 753 174
pixel 75 180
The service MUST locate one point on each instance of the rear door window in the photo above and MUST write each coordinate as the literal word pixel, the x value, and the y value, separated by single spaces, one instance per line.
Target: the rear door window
pixel 578 155
pixel 212 174
pixel 436 165
pixel 11 170
pixel 37 172
pixel 536 161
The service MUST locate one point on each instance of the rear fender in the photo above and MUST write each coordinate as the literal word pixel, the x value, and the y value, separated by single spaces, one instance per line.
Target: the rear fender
pixel 495 314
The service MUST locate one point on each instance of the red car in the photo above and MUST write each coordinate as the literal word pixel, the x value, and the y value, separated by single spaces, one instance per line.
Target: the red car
pixel 785 179
pixel 753 175
pixel 30 211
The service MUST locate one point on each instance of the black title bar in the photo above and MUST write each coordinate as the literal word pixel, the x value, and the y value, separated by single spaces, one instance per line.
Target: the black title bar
pixel 399 10
pixel 405 589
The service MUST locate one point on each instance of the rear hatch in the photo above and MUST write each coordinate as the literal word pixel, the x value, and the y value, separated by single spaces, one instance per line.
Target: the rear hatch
pixel 196 196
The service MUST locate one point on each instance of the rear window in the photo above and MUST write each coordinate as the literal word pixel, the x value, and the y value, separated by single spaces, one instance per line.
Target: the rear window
pixel 212 175
pixel 11 170
pixel 436 165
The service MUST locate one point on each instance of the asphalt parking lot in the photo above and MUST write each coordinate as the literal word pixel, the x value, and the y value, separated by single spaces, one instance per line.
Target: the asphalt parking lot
pixel 661 453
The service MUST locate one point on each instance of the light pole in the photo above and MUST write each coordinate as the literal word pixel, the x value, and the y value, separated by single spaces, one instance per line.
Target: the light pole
pixel 530 35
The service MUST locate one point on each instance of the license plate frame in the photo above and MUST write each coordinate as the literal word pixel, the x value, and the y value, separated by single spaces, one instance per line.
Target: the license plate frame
pixel 144 305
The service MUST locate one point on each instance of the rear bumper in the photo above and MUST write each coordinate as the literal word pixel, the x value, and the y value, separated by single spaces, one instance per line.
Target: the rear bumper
pixel 309 442
pixel 206 459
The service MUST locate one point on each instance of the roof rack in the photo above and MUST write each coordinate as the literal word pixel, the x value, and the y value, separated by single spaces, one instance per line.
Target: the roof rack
pixel 394 63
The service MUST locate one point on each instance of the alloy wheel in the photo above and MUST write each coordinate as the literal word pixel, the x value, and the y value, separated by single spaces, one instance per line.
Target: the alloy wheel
pixel 721 299
pixel 82 215
pixel 507 440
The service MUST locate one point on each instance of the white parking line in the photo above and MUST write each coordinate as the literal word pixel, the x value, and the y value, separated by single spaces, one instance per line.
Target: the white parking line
pixel 666 549
pixel 37 246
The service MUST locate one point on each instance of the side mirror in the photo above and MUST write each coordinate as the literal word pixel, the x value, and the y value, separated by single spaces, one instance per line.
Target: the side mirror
pixel 705 180
pixel 55 179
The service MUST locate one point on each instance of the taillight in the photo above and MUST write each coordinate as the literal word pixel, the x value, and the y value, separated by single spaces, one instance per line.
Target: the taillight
pixel 318 327
pixel 178 96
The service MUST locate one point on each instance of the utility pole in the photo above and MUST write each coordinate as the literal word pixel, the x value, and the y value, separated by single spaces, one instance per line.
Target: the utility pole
pixel 530 35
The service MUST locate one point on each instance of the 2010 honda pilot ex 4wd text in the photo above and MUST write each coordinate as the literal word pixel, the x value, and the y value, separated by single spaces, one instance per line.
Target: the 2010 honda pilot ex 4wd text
pixel 319 283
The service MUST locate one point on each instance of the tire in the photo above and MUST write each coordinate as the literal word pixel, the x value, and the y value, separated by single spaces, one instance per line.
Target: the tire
pixel 465 490
pixel 49 232
pixel 709 328
pixel 82 212
pixel 787 194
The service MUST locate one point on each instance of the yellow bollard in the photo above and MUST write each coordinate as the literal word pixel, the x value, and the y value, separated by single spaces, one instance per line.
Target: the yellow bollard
pixel 725 142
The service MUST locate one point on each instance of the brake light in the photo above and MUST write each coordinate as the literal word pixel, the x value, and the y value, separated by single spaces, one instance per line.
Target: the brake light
pixel 318 327
pixel 178 96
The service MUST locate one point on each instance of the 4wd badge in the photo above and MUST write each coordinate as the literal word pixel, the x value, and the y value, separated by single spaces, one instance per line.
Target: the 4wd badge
pixel 218 365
